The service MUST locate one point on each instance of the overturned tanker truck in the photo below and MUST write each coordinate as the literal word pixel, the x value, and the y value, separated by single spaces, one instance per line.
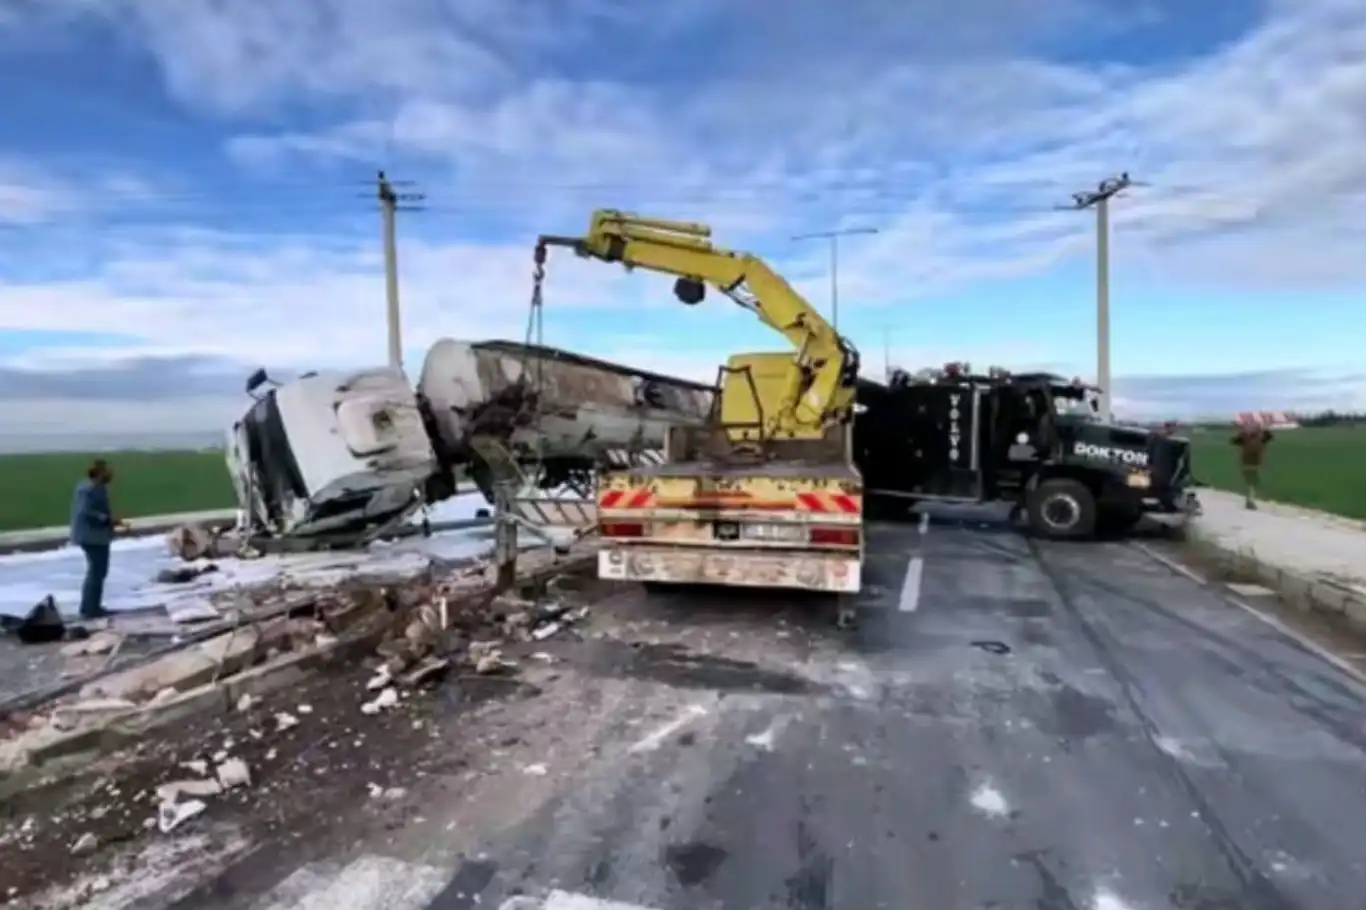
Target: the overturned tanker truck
pixel 336 459
pixel 339 458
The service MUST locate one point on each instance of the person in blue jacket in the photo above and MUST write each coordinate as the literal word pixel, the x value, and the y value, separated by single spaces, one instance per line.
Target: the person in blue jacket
pixel 92 529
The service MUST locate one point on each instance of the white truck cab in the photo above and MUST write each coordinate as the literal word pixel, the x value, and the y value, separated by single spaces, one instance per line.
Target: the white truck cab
pixel 331 451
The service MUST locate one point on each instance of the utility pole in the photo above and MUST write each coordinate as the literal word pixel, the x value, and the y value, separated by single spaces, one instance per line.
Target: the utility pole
pixel 1099 199
pixel 834 238
pixel 389 206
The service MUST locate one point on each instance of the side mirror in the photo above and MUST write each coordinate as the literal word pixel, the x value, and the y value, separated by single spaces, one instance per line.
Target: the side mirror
pixel 256 380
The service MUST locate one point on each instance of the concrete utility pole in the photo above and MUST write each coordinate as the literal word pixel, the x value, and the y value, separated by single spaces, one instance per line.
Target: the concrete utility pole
pixel 389 207
pixel 834 238
pixel 1099 199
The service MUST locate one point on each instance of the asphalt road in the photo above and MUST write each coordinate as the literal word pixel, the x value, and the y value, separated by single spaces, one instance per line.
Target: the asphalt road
pixel 1012 725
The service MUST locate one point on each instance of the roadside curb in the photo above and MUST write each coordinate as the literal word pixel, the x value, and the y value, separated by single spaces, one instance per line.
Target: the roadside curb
pixel 1336 600
pixel 39 539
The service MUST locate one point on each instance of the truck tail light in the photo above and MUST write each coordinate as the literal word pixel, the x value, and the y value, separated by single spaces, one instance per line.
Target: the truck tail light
pixel 835 537
pixel 622 529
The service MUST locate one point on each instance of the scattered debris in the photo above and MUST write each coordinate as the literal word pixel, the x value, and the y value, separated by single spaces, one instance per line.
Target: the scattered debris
pixel 42 625
pixel 427 671
pixel 173 791
pixel 71 716
pixel 386 793
pixel 184 574
pixel 234 773
pixel 992 647
pixel 386 699
pixel 231 735
pixel 536 770
pixel 99 643
pixel 172 815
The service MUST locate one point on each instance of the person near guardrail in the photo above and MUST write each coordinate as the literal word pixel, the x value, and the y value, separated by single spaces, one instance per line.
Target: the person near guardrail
pixel 93 526
pixel 1251 439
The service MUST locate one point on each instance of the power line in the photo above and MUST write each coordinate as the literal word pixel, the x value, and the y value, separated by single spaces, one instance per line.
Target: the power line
pixel 1099 199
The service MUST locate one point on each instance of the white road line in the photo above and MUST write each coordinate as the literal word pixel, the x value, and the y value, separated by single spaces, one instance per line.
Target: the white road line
pixel 1178 568
pixel 1299 638
pixel 909 601
pixel 656 739
pixel 924 522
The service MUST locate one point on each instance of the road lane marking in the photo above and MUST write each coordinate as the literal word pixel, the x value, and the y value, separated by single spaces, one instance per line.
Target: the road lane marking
pixel 924 522
pixel 909 601
pixel 1299 638
pixel 654 740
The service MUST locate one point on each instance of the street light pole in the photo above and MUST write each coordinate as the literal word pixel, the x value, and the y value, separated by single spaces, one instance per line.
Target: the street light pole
pixel 834 238
pixel 1099 199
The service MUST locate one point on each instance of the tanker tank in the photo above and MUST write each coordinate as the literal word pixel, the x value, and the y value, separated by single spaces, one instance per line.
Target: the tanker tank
pixel 566 410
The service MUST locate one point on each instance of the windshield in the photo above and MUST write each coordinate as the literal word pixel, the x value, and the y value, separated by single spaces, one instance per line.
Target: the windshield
pixel 1075 408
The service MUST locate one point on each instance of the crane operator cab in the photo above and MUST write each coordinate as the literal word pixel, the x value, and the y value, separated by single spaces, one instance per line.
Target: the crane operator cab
pixel 1036 441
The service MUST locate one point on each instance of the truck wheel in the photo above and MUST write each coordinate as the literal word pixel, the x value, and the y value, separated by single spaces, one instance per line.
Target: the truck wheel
pixel 1062 509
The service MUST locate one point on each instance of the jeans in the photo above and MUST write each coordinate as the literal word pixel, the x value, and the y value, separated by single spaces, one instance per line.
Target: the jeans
pixel 96 568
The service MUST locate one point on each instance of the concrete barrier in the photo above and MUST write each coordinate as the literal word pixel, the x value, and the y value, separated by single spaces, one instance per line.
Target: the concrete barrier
pixel 37 539
pixel 1301 588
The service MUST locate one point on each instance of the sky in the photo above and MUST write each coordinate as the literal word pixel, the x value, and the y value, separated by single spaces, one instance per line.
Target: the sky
pixel 187 189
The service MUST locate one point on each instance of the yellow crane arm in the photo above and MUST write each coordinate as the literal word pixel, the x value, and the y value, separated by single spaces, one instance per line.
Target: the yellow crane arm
pixel 826 365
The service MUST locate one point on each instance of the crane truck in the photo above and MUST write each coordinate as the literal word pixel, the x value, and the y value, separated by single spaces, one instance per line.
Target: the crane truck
pixel 766 493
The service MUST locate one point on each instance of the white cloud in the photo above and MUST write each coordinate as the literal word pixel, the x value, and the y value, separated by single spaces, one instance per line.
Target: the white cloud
pixel 953 127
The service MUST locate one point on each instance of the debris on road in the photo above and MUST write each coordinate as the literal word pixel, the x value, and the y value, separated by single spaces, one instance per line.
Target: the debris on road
pixel 387 698
pixel 300 697
pixel 101 642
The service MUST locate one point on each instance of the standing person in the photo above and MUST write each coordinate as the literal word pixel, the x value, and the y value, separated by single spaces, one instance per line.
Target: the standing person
pixel 1251 439
pixel 92 529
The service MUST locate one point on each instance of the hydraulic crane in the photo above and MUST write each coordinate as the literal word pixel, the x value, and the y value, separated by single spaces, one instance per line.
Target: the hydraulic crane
pixel 791 518
pixel 816 389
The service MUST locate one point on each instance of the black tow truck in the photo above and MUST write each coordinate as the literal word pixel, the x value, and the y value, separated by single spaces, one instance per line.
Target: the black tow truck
pixel 1032 440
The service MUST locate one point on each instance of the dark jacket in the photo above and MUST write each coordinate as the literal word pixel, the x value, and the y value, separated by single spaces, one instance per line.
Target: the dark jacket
pixel 92 524
pixel 1253 442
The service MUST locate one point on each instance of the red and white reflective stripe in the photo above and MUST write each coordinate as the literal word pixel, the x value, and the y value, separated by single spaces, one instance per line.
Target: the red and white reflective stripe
pixel 626 499
pixel 829 502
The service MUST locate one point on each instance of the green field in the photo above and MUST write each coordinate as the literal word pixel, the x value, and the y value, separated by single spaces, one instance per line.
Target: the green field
pixel 1319 468
pixel 35 490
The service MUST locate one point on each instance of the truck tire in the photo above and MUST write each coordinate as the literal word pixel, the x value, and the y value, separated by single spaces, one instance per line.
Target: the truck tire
pixel 1062 509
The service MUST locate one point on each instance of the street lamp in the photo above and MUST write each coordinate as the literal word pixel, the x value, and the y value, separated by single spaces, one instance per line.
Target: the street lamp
pixel 834 238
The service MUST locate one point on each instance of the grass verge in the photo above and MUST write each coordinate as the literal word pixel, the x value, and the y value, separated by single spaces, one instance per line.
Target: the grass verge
pixel 35 490
pixel 1313 468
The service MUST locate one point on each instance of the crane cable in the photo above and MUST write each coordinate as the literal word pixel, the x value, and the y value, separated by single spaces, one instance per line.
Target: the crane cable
pixel 535 337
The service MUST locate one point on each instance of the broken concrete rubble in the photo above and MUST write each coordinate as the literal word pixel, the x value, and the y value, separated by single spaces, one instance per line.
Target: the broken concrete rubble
pixel 101 642
pixel 426 625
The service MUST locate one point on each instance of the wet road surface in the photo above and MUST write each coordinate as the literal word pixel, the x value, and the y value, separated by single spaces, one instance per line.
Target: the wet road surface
pixel 1013 725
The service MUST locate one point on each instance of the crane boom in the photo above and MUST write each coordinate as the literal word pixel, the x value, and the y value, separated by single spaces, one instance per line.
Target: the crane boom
pixel 819 392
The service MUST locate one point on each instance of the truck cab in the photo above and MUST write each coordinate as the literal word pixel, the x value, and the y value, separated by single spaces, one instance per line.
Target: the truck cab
pixel 1034 440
